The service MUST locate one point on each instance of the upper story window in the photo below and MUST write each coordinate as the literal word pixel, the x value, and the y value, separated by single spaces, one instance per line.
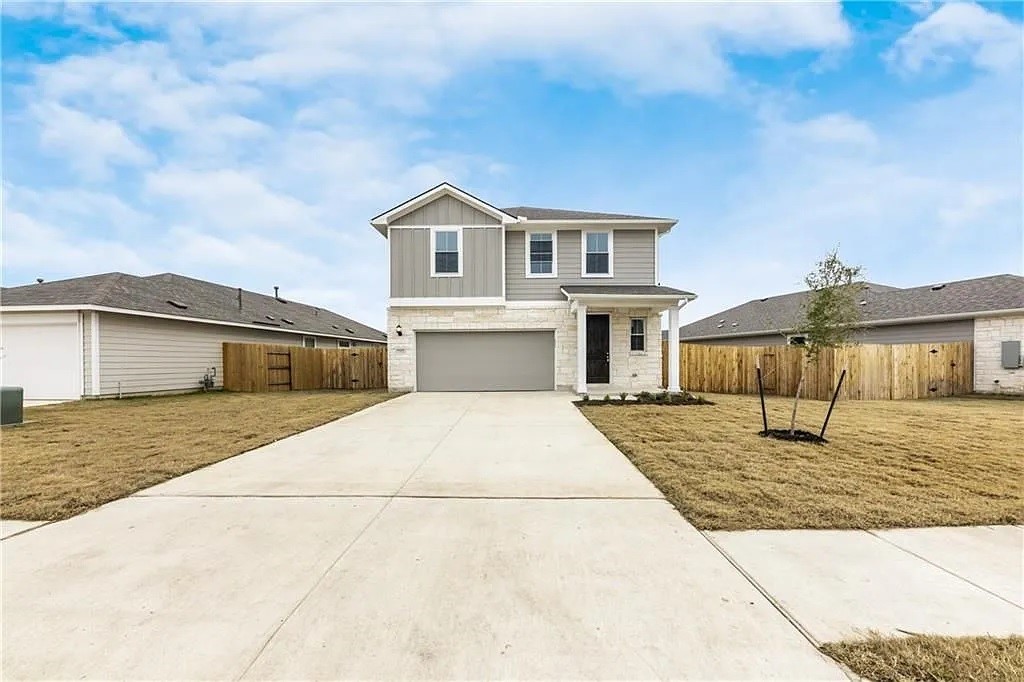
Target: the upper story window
pixel 597 254
pixel 540 254
pixel 446 253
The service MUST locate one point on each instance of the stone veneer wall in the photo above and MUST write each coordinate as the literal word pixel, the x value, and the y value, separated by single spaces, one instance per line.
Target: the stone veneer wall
pixel 988 366
pixel 635 370
pixel 630 371
pixel 402 349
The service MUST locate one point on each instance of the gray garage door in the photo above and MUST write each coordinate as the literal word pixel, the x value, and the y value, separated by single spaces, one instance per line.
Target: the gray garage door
pixel 485 361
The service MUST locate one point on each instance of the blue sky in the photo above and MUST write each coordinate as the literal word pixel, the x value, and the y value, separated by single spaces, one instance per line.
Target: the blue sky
pixel 250 144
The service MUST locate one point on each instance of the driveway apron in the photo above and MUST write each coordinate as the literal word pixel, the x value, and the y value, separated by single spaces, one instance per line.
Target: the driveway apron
pixel 435 536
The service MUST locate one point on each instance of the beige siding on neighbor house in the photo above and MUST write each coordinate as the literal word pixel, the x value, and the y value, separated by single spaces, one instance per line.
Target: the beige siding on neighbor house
pixel 410 264
pixel 925 332
pixel 633 254
pixel 153 355
pixel 446 210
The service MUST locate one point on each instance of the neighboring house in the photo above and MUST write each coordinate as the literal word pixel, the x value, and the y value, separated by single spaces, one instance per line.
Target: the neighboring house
pixel 988 311
pixel 117 334
pixel 485 298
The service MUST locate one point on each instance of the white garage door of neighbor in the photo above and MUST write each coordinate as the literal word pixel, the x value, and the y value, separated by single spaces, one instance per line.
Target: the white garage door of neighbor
pixel 40 353
pixel 485 361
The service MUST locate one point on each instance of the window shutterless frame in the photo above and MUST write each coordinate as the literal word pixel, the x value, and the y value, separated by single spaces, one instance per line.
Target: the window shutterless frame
pixel 450 260
pixel 638 334
pixel 541 261
pixel 597 260
pixel 308 342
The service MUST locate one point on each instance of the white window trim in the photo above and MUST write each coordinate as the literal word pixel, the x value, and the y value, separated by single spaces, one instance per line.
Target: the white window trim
pixel 433 250
pixel 644 321
pixel 611 253
pixel 554 255
pixel 311 338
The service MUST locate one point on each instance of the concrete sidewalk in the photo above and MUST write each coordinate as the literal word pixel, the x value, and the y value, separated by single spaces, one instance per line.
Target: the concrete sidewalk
pixel 838 584
pixel 434 536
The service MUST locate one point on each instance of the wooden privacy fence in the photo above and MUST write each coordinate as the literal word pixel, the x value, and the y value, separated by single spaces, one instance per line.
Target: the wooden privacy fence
pixel 874 372
pixel 257 367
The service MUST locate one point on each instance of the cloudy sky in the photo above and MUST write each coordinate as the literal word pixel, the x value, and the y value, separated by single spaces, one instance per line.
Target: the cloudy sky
pixel 250 144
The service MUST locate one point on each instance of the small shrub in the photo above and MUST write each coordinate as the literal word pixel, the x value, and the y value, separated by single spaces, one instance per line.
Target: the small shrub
pixel 607 398
pixel 662 397
pixel 645 397
pixel 623 396
pixel 585 398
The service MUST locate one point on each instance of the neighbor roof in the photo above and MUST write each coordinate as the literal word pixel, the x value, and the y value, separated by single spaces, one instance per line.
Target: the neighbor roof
pixel 777 314
pixel 535 213
pixel 180 296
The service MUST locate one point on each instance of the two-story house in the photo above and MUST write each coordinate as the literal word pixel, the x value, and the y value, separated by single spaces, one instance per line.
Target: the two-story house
pixel 510 299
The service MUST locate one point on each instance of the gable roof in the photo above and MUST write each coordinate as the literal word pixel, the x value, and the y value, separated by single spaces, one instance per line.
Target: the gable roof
pixel 561 214
pixel 882 304
pixel 179 296
pixel 381 221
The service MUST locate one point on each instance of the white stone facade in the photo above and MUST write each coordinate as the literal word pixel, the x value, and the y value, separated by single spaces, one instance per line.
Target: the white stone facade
pixel 630 370
pixel 989 333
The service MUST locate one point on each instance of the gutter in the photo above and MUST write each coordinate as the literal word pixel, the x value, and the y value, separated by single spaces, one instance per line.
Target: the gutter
pixel 947 317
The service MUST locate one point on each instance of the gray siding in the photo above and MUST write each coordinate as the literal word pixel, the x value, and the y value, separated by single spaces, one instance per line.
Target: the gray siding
pixel 153 355
pixel 410 265
pixel 924 332
pixel 446 210
pixel 633 253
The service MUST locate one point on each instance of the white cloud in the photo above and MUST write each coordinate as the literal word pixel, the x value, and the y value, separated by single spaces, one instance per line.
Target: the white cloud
pixel 92 144
pixel 960 32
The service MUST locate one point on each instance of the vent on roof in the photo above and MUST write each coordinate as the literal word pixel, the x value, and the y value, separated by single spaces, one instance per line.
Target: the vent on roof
pixel 937 287
pixel 269 317
pixel 350 331
pixel 735 324
pixel 334 326
pixel 264 322
pixel 721 322
pixel 176 304
pixel 719 325
pixel 863 302
pixel 286 320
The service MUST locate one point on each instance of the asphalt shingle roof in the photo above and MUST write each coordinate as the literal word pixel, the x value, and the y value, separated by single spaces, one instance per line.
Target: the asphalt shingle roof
pixel 535 213
pixel 625 290
pixel 203 300
pixel 783 313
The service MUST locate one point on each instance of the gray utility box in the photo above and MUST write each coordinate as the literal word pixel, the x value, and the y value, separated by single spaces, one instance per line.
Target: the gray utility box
pixel 12 405
pixel 1011 354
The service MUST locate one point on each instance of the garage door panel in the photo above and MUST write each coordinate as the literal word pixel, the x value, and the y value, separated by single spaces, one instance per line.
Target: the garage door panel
pixel 485 361
pixel 41 355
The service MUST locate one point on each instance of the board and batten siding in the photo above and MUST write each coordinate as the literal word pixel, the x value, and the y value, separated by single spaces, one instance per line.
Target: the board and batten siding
pixel 152 355
pixel 925 332
pixel 410 264
pixel 86 319
pixel 633 253
pixel 446 210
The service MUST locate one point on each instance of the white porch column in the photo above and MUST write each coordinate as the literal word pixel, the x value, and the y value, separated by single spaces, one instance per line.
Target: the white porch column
pixel 673 349
pixel 581 348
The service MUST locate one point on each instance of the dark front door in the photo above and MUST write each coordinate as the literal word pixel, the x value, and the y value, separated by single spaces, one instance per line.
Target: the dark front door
pixel 598 347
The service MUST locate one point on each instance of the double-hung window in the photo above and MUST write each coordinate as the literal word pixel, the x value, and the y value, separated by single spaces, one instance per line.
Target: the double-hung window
pixel 308 342
pixel 638 334
pixel 447 253
pixel 597 254
pixel 540 254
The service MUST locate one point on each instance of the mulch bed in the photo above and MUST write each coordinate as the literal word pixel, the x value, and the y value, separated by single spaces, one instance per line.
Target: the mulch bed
pixel 798 436
pixel 665 399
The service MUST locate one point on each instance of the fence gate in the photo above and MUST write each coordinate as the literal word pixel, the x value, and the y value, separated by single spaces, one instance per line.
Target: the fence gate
pixel 279 370
pixel 769 373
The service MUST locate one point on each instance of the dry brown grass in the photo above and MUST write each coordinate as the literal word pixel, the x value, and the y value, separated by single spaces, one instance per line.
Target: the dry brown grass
pixel 76 456
pixel 888 463
pixel 930 658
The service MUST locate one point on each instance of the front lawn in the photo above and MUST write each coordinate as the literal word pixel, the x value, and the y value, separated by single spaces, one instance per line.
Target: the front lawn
pixel 76 456
pixel 888 463
pixel 927 658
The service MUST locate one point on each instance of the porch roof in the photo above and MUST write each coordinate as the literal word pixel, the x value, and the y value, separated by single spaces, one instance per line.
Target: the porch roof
pixel 627 295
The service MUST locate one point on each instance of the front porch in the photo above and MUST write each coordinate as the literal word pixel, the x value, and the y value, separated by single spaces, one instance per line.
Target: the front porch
pixel 618 343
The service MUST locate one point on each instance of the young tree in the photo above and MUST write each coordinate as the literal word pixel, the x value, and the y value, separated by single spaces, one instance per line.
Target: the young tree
pixel 830 312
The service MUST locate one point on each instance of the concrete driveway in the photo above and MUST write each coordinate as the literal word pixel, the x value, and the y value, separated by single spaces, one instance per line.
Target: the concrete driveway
pixel 435 536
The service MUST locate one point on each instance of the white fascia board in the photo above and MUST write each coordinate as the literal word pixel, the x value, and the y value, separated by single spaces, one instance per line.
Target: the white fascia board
pixel 446 302
pixel 181 318
pixel 527 305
